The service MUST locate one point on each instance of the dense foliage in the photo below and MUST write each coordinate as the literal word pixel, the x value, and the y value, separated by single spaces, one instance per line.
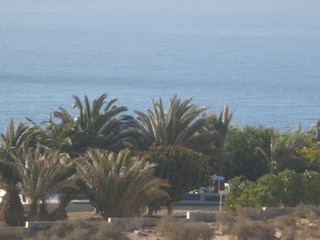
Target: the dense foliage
pixel 185 141
pixel 119 185
pixel 287 188
pixel 242 157
pixel 185 170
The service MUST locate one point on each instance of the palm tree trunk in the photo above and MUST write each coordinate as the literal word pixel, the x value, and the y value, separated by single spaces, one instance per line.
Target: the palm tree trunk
pixel 170 207
pixel 12 209
pixel 33 214
pixel 43 212
pixel 60 213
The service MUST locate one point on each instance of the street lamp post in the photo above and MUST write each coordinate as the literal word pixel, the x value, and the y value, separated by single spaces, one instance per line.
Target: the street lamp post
pixel 219 179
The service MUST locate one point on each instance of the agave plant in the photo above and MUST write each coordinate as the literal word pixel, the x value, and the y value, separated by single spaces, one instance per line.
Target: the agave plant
pixel 119 185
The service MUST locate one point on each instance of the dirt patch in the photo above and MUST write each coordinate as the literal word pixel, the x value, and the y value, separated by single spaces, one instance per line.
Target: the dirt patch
pixel 300 228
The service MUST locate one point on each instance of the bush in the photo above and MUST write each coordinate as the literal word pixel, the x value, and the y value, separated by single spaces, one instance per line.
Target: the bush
pixel 225 222
pixel 309 212
pixel 288 188
pixel 80 231
pixel 249 213
pixel 240 194
pixel 311 188
pixel 13 233
pixel 284 221
pixel 244 230
pixel 267 191
pixel 173 229
pixel 311 232
pixel 291 187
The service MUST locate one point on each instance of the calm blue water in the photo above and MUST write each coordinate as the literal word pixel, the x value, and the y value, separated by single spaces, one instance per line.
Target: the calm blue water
pixel 262 59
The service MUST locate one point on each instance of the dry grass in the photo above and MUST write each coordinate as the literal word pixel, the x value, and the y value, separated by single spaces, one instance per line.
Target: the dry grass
pixel 179 229
pixel 304 223
pixel 247 224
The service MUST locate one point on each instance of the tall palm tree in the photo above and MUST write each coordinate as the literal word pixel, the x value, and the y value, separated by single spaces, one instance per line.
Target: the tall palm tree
pixel 180 125
pixel 119 185
pixel 100 125
pixel 43 173
pixel 219 126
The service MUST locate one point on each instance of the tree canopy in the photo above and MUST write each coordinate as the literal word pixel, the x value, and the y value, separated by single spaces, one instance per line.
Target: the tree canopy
pixel 179 145
pixel 184 168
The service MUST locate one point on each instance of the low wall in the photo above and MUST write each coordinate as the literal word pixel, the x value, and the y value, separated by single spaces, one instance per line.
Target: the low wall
pixel 74 206
pixel 201 217
pixel 269 212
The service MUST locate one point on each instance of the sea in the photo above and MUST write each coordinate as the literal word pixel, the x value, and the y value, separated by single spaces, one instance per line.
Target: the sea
pixel 260 58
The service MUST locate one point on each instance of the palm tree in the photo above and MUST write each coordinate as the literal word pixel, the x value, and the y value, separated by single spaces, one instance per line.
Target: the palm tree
pixel 64 132
pixel 180 125
pixel 101 125
pixel 282 149
pixel 43 173
pixel 119 185
pixel 22 136
pixel 219 127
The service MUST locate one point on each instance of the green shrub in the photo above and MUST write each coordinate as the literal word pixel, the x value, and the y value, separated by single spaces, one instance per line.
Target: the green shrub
pixel 174 229
pixel 288 188
pixel 240 194
pixel 267 191
pixel 311 187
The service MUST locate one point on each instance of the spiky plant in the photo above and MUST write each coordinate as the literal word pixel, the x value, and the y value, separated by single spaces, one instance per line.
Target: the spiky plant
pixel 22 136
pixel 119 185
pixel 63 132
pixel 43 174
pixel 103 124
pixel 181 124
pixel 219 127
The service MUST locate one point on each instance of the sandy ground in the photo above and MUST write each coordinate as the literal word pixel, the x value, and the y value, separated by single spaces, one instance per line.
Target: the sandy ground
pixel 181 212
pixel 151 234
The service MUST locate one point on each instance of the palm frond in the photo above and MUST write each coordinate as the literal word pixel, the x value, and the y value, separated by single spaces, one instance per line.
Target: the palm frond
pixel 44 172
pixel 176 126
pixel 119 184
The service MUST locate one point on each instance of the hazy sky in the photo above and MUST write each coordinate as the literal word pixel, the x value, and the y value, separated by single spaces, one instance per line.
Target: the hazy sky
pixel 198 6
